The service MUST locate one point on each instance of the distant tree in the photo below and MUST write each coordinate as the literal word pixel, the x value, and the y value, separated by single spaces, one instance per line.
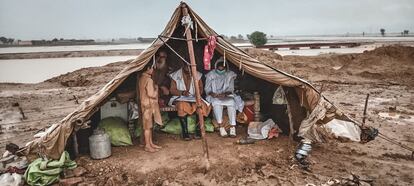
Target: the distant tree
pixel 406 32
pixel 3 40
pixel 240 36
pixel 257 38
pixel 55 40
pixel 224 36
pixel 61 39
pixel 233 38
pixel 10 40
pixel 382 30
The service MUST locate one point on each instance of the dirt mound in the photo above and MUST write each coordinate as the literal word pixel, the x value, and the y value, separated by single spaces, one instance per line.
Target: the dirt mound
pixel 389 64
pixel 394 51
pixel 89 76
pixel 263 55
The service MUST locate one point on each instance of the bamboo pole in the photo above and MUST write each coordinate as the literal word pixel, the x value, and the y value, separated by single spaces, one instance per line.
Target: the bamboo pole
pixel 196 85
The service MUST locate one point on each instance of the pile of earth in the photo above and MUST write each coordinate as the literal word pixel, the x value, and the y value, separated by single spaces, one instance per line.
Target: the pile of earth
pixel 392 64
pixel 89 76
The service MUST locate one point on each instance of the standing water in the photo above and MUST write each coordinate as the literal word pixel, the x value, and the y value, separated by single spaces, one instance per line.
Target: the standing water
pixel 38 70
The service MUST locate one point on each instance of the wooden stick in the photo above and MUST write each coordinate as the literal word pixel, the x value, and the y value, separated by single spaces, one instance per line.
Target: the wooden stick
pixel 196 84
pixel 75 144
pixel 21 112
pixel 76 99
pixel 291 130
pixel 365 110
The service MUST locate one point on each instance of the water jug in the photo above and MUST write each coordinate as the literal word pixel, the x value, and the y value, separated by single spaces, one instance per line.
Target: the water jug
pixel 99 144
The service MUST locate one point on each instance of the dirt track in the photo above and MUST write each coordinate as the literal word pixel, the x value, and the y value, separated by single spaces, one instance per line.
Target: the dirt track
pixel 386 73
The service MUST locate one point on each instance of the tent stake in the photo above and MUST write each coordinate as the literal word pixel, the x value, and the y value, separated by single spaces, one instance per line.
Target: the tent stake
pixel 365 110
pixel 197 88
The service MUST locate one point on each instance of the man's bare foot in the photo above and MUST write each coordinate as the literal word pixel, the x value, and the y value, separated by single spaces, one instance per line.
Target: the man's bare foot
pixel 150 149
pixel 156 146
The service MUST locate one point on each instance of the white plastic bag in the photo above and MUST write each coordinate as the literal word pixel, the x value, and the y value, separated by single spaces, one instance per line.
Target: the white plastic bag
pixel 344 129
pixel 8 179
pixel 260 130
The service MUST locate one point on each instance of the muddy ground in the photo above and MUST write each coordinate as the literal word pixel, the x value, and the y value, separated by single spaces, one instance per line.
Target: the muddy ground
pixel 385 73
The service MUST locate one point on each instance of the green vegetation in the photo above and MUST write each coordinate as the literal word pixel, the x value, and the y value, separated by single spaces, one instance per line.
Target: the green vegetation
pixel 257 38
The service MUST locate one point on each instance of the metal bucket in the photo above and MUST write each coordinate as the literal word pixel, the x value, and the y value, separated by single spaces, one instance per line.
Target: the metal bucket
pixel 99 144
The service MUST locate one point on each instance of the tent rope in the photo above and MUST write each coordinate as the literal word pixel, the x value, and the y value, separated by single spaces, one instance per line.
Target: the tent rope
pixel 153 61
pixel 182 39
pixel 241 65
pixel 395 142
pixel 196 32
pixel 235 52
pixel 224 57
pixel 241 62
pixel 174 51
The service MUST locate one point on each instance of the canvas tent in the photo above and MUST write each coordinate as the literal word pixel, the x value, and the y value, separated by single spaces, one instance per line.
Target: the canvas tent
pixel 309 111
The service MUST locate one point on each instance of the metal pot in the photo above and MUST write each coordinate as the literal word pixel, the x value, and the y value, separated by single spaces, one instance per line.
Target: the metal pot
pixel 99 144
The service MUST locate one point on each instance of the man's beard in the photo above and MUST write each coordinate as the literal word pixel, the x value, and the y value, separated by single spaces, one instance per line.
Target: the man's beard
pixel 161 64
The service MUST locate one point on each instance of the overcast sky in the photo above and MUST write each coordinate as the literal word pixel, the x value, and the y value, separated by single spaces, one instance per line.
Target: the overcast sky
pixel 47 19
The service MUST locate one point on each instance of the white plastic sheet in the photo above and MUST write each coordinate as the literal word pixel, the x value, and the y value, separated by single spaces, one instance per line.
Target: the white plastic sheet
pixel 344 129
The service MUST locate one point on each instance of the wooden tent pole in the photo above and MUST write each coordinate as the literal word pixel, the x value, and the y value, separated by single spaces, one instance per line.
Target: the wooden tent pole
pixel 196 84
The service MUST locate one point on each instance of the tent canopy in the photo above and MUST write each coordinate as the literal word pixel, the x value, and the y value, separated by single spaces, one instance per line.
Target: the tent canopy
pixel 319 109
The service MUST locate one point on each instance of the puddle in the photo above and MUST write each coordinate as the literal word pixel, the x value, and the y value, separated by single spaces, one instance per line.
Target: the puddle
pixel 337 67
pixel 380 100
pixel 11 93
pixel 9 115
pixel 406 119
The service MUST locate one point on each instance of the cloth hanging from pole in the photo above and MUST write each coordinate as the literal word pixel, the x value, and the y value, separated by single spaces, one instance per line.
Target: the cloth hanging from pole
pixel 209 52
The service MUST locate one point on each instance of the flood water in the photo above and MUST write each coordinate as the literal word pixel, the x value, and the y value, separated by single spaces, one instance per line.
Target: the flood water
pixel 31 49
pixel 38 70
pixel 306 51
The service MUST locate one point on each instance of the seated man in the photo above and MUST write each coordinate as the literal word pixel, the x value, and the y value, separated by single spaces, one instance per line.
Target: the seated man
pixel 220 92
pixel 183 92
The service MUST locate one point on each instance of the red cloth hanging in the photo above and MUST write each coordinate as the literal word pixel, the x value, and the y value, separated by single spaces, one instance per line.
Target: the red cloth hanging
pixel 209 52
